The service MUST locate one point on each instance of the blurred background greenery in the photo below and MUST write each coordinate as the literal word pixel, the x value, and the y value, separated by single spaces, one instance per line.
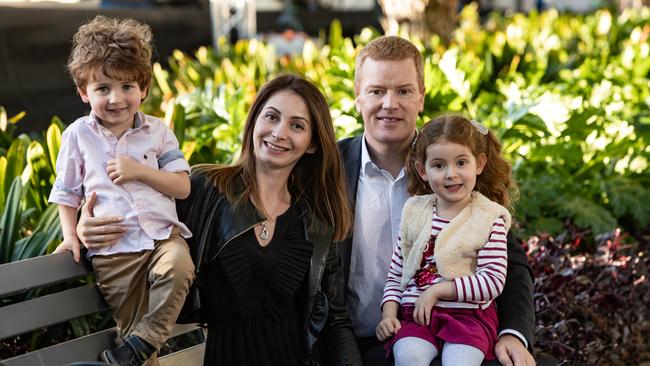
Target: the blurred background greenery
pixel 567 94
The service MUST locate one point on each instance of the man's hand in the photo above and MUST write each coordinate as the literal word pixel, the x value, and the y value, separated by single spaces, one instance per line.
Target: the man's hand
pixel 511 352
pixel 423 306
pixel 387 328
pixel 123 169
pixel 98 232
pixel 70 243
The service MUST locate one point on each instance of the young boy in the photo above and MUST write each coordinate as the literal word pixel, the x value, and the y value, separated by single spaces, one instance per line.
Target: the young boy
pixel 133 164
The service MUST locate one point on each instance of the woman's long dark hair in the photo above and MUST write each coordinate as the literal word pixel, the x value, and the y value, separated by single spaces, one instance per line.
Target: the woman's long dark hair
pixel 317 181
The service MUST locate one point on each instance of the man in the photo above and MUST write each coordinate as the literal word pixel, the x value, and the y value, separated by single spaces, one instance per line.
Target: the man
pixel 389 89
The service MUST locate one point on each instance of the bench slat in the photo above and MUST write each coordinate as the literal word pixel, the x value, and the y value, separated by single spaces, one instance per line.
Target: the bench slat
pixel 86 348
pixel 189 356
pixel 50 309
pixel 83 348
pixel 41 271
pixel 182 329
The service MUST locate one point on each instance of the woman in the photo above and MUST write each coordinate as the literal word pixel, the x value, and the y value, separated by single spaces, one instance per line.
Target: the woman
pixel 269 277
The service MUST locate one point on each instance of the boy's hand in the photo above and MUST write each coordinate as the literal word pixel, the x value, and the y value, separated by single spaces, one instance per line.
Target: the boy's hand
pixel 387 327
pixel 70 243
pixel 423 306
pixel 123 169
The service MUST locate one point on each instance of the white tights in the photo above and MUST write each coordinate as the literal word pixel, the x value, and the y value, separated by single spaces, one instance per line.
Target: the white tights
pixel 414 351
pixel 461 354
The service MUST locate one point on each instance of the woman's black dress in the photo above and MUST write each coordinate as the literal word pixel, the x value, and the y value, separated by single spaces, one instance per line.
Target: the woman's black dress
pixel 257 297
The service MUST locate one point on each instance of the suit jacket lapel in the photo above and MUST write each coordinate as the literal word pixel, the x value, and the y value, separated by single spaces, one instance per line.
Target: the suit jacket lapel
pixel 351 154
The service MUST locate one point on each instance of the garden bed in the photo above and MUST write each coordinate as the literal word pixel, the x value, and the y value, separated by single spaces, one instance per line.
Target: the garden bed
pixel 592 308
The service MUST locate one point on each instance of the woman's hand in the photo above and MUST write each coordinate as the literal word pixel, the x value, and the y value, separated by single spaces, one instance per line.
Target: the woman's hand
pixel 423 306
pixel 98 232
pixel 387 328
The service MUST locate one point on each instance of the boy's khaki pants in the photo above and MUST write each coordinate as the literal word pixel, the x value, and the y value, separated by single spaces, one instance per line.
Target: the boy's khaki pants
pixel 147 289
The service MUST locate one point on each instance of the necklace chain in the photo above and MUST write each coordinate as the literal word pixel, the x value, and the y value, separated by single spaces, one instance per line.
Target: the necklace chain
pixel 264 232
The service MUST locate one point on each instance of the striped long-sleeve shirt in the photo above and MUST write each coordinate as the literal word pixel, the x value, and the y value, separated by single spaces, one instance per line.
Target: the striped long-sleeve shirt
pixel 477 290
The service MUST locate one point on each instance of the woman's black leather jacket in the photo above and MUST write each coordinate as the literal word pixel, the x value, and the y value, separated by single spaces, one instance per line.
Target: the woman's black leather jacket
pixel 214 222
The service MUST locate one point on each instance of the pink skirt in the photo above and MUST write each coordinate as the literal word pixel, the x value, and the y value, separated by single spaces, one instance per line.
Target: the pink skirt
pixel 473 327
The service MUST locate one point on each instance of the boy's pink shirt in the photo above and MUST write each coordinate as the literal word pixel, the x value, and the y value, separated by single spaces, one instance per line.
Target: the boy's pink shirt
pixel 86 148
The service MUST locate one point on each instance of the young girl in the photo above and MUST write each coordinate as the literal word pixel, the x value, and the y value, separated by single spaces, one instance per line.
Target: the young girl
pixel 450 261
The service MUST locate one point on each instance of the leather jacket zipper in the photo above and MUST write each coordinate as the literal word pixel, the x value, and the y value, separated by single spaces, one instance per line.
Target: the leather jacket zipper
pixel 233 238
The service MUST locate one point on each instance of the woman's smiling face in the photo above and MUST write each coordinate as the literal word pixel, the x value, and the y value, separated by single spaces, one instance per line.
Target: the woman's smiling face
pixel 283 132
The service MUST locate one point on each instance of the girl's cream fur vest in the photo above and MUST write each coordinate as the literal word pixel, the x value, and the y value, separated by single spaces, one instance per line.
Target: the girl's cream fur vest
pixel 456 244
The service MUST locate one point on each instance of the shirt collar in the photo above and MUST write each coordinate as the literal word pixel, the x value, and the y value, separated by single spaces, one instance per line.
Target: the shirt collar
pixel 139 120
pixel 368 166
pixel 366 162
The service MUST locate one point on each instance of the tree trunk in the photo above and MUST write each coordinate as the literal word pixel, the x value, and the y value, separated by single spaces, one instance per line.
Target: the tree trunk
pixel 420 18
pixel 623 4
pixel 441 17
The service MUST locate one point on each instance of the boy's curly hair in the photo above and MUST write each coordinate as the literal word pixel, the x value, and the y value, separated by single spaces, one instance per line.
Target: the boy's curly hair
pixel 120 48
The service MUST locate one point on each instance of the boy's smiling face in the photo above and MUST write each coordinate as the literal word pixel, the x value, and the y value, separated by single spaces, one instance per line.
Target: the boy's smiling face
pixel 114 102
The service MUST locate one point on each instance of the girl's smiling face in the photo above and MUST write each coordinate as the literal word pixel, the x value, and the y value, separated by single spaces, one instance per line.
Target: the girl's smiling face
pixel 451 169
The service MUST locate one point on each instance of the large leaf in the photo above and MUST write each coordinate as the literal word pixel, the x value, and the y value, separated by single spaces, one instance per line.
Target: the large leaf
pixel 587 214
pixel 10 221
pixel 177 122
pixel 16 157
pixel 3 174
pixel 53 138
pixel 3 118
pixel 47 232
pixel 42 175
pixel 629 199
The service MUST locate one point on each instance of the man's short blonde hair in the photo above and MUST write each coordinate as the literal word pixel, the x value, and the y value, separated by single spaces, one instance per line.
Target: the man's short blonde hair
pixel 390 48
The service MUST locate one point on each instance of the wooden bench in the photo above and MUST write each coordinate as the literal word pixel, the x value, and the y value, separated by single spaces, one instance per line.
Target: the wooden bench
pixel 63 304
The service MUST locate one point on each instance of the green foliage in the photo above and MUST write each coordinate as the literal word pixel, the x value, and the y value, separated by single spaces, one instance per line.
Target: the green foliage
pixel 567 94
pixel 212 91
pixel 10 221
pixel 28 225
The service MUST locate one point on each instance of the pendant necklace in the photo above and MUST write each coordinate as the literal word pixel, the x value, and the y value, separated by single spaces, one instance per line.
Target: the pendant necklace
pixel 264 233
